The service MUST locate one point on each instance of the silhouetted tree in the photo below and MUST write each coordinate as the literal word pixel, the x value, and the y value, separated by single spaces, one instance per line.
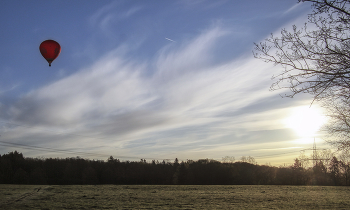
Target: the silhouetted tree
pixel 20 177
pixel 37 176
pixel 244 173
pixel 298 173
pixel 284 176
pixel 89 176
pixel 6 170
pixel 248 159
pixel 228 159
pixel 335 171
pixel 15 169
pixel 345 168
pixel 265 175
pixel 54 169
pixel 71 173
pixel 320 174
pixel 181 175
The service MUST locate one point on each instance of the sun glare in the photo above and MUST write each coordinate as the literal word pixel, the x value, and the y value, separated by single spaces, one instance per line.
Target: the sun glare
pixel 305 120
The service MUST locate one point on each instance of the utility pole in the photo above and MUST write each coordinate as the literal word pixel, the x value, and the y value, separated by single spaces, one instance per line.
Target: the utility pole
pixel 315 159
pixel 314 154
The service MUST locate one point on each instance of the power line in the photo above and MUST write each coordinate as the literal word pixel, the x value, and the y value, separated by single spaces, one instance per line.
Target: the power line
pixel 65 151
pixel 48 149
pixel 51 131
pixel 263 156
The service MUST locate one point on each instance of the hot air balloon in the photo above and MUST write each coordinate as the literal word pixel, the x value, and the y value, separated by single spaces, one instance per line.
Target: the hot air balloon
pixel 50 49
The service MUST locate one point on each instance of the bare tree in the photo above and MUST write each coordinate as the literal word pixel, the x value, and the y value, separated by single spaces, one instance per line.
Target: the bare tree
pixel 345 166
pixel 338 126
pixel 248 159
pixel 316 60
pixel 304 160
pixel 228 159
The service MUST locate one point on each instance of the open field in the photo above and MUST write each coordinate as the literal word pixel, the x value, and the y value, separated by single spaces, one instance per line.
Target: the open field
pixel 173 197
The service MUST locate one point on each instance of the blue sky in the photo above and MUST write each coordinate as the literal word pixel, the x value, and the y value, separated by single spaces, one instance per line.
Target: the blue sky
pixel 147 79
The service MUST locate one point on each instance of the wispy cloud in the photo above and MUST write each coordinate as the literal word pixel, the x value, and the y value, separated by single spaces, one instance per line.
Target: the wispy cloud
pixel 187 98
pixel 100 13
pixel 109 14
pixel 9 89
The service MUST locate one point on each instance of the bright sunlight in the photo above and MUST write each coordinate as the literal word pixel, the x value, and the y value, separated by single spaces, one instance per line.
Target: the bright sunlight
pixel 305 120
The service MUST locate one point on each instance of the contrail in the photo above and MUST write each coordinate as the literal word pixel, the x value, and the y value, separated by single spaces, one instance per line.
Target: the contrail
pixel 169 39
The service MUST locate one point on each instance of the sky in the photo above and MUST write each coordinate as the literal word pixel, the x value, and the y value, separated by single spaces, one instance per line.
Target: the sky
pixel 150 79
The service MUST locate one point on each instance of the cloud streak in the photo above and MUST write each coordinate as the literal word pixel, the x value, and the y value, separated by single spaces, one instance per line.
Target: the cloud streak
pixel 169 39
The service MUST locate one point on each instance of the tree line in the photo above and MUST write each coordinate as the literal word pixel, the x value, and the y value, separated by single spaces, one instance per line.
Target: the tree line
pixel 16 169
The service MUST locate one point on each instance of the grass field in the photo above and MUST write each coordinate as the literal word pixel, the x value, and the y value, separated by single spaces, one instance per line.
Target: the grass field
pixel 173 197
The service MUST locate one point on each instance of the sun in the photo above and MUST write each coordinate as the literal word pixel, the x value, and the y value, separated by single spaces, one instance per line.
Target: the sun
pixel 305 120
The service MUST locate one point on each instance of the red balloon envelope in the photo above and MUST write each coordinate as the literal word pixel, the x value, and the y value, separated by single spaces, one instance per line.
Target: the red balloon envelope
pixel 50 49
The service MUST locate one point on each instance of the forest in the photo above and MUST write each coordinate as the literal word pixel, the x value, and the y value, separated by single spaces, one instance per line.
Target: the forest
pixel 16 169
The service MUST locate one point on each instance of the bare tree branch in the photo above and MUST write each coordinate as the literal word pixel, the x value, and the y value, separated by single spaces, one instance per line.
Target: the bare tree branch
pixel 317 62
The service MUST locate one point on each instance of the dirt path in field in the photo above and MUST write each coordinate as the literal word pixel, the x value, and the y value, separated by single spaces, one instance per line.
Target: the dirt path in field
pixel 19 198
